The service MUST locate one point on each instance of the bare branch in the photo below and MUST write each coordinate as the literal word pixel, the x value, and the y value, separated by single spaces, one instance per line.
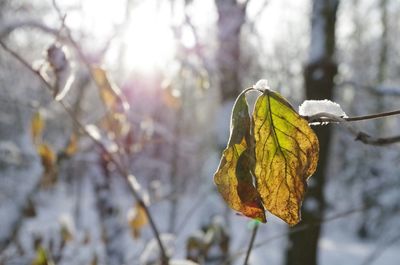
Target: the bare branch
pixel 297 229
pixel 26 64
pixel 121 170
pixel 30 23
pixel 252 239
pixel 252 23
pixel 359 135
pixel 379 250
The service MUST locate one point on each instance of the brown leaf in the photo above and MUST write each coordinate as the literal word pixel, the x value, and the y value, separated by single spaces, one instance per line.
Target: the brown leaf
pixel 234 177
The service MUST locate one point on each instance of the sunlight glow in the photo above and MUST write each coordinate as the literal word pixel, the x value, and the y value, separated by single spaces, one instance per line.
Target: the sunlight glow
pixel 149 41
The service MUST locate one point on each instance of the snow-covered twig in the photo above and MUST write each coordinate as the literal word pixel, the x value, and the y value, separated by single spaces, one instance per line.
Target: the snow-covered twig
pixel 328 117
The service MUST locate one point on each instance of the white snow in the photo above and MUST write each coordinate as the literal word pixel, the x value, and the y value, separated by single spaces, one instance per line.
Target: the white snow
pixel 93 131
pixel 313 107
pixel 262 84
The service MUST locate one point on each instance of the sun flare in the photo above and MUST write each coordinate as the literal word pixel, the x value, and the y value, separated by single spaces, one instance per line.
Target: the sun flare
pixel 149 41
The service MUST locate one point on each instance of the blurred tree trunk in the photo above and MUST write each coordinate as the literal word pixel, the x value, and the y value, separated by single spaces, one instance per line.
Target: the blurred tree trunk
pixel 231 17
pixel 319 82
pixel 369 199
pixel 383 4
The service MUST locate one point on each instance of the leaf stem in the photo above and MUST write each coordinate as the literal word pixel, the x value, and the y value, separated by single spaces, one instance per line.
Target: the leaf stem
pixel 251 244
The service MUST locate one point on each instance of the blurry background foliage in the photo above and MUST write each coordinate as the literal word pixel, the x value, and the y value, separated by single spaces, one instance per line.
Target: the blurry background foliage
pixel 179 65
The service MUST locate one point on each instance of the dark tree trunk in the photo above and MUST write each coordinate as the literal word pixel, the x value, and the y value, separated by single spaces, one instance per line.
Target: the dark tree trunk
pixel 231 17
pixel 319 82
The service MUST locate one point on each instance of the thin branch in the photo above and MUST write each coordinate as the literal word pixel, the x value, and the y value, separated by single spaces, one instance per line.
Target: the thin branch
pixel 26 64
pixel 190 213
pixel 252 239
pixel 374 116
pixel 295 230
pixel 254 19
pixel 29 23
pixel 380 250
pixel 358 134
pixel 319 117
pixel 131 179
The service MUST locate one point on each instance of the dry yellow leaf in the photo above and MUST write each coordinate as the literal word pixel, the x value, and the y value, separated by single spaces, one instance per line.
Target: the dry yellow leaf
pixel 109 92
pixel 72 146
pixel 286 155
pixel 48 159
pixel 37 126
pixel 42 257
pixel 137 220
pixel 47 156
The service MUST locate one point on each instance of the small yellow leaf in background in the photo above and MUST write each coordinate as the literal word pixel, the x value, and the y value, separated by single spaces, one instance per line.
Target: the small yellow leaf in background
pixel 47 156
pixel 137 219
pixel 115 122
pixel 286 155
pixel 234 177
pixel 37 126
pixel 48 159
pixel 109 92
pixel 66 234
pixel 72 146
pixel 42 258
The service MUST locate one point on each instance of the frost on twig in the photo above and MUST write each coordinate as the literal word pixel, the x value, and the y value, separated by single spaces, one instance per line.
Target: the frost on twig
pixel 313 107
pixel 261 84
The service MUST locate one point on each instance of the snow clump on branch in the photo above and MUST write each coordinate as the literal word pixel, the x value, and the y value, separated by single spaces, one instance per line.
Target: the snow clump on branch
pixel 313 107
pixel 261 84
